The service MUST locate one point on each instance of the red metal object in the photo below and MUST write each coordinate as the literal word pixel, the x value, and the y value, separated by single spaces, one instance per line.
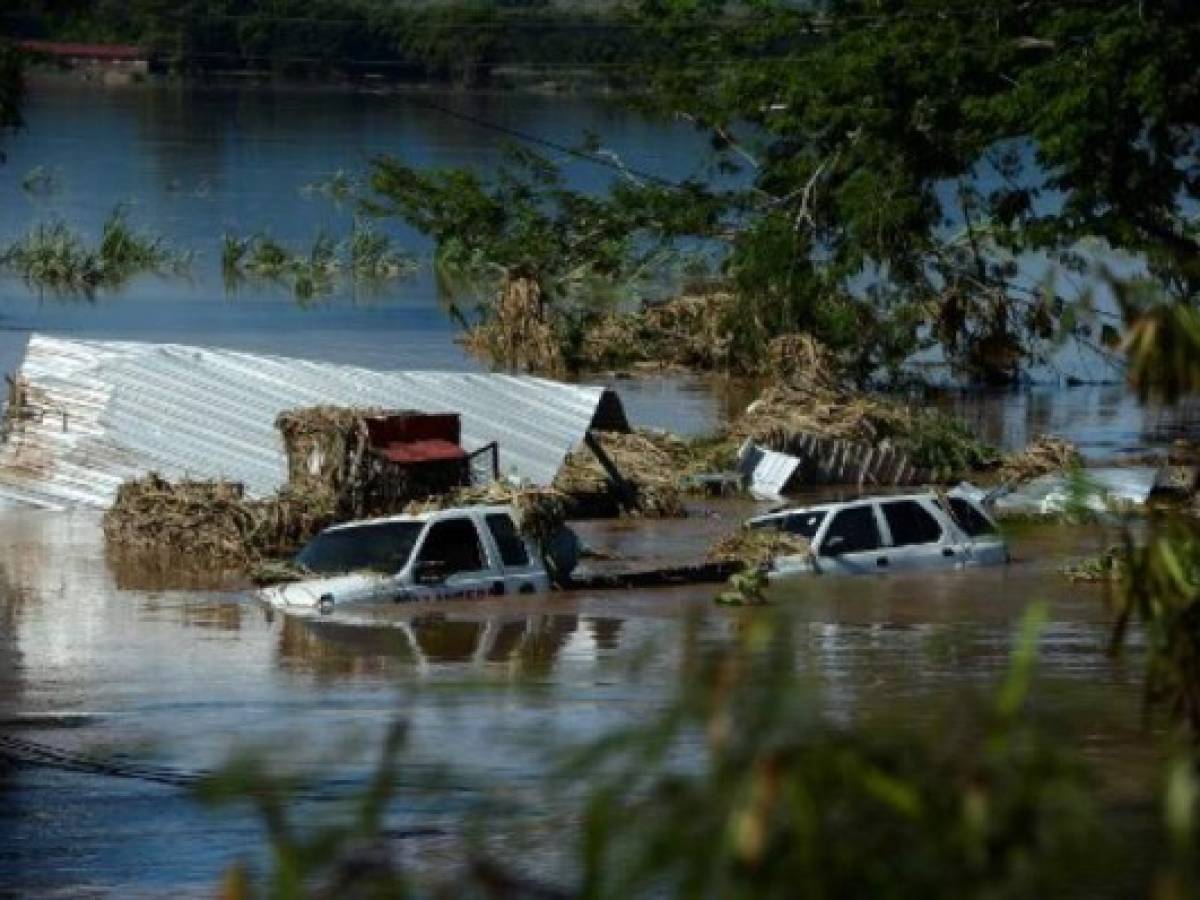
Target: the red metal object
pixel 423 451
pixel 108 52
pixel 417 437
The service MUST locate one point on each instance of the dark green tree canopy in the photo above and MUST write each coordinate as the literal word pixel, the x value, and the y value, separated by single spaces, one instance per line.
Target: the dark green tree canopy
pixel 900 157
pixel 927 143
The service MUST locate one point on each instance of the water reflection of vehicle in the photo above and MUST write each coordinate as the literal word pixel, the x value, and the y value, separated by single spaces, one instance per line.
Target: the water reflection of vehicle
pixel 474 551
pixel 888 534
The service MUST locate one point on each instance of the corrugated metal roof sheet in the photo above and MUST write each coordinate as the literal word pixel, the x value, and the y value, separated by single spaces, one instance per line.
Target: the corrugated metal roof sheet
pixel 768 472
pixel 110 411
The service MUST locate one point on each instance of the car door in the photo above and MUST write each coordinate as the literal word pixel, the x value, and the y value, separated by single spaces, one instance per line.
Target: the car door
pixel 522 573
pixel 918 538
pixel 853 542
pixel 452 563
pixel 984 545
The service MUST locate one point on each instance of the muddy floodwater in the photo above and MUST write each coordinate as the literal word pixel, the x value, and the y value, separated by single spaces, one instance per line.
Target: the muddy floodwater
pixel 94 662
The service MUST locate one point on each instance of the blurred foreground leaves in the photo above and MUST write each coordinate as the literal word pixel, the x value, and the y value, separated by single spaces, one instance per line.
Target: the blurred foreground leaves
pixel 736 788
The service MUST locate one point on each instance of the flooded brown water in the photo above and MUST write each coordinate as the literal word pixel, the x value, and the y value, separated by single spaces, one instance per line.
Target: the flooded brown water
pixel 491 688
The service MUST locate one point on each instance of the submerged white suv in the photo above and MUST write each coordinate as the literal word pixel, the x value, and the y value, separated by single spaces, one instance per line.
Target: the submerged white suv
pixel 468 552
pixel 888 534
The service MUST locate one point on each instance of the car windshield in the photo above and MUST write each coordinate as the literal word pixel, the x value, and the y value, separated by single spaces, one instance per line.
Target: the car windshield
pixel 383 547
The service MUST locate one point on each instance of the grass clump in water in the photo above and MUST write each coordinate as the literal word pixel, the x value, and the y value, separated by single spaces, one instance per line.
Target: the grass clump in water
pixel 55 258
pixel 366 257
pixel 40 182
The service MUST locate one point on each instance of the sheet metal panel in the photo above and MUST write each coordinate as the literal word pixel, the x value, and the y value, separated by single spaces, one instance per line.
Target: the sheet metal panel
pixel 768 472
pixel 189 412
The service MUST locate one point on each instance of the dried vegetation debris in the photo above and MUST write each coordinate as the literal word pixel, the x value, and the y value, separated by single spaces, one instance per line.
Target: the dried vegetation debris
pixel 786 414
pixel 211 521
pixel 1045 454
pixel 520 334
pixel 328 450
pixel 690 331
pixel 756 547
pixel 332 477
pixel 651 462
pixel 540 512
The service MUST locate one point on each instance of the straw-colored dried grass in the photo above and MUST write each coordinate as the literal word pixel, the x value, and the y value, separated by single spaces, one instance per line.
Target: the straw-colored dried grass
pixel 757 546
pixel 519 335
pixel 1045 454
pixel 652 463
pixel 211 521
pixel 691 331
pixel 540 512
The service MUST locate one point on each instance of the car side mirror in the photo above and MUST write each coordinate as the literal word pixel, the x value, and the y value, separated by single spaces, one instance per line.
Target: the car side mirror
pixel 833 546
pixel 429 571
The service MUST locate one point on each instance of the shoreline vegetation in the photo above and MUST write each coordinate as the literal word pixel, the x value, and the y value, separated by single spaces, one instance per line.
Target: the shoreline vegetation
pixel 468 44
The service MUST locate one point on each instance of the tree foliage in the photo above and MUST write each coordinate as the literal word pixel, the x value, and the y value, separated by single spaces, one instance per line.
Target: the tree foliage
pixel 923 148
pixel 526 221
pixel 461 41
pixel 900 160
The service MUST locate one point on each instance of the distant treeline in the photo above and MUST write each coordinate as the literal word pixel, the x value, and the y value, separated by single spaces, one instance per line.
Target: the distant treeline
pixel 463 42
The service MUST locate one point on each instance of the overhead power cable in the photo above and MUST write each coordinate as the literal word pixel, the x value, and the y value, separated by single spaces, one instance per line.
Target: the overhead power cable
pixel 537 140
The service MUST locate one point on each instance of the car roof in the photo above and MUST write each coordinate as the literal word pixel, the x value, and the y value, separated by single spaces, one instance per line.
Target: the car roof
pixel 422 517
pixel 841 504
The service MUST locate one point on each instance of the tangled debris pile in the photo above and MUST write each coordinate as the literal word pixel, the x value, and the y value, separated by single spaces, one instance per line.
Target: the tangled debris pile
pixel 1044 455
pixel 211 521
pixel 334 475
pixel 329 451
pixel 541 512
pixel 756 547
pixel 787 416
pixel 519 334
pixel 689 331
pixel 522 332
pixel 652 463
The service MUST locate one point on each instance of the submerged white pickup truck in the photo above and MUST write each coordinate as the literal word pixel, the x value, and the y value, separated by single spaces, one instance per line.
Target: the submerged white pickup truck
pixel 474 551
pixel 888 534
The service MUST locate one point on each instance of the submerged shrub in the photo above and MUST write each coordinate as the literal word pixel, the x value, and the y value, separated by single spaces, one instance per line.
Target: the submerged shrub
pixel 53 257
pixel 365 256
pixel 125 252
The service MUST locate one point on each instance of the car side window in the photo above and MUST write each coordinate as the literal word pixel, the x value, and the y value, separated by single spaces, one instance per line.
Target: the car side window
pixel 453 544
pixel 512 548
pixel 853 530
pixel 910 523
pixel 971 520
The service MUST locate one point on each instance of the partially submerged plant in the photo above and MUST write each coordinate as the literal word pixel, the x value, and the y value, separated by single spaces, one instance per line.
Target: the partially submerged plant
pixel 1159 589
pixel 745 589
pixel 55 258
pixel 40 181
pixel 366 257
pixel 125 252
